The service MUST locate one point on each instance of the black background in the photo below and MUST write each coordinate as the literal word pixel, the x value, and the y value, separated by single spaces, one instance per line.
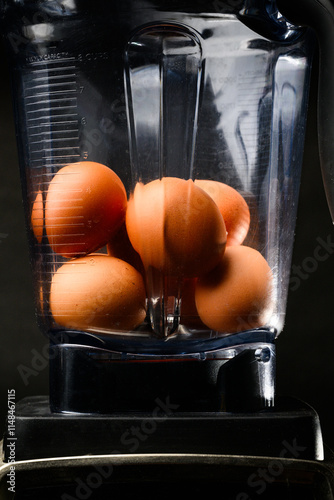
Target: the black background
pixel 305 349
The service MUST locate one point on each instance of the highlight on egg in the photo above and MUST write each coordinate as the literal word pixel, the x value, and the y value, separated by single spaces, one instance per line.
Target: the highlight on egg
pixel 98 292
pixel 237 294
pixel 85 206
pixel 175 227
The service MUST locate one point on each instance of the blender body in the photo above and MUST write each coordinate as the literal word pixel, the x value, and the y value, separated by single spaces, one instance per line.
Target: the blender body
pixel 131 119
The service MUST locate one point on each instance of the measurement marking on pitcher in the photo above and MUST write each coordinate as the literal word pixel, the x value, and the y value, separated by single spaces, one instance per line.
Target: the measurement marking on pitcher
pixel 53 108
pixel 52 117
pixel 65 148
pixel 46 85
pixel 42 151
pixel 53 157
pixel 63 72
pixel 36 85
pixel 57 108
pixel 55 92
pixel 56 123
pixel 67 68
pixel 53 100
pixel 62 156
pixel 74 138
pixel 52 95
pixel 52 132
pixel 48 124
pixel 55 116
pixel 59 77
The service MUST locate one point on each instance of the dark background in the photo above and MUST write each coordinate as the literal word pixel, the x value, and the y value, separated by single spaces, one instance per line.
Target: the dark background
pixel 305 349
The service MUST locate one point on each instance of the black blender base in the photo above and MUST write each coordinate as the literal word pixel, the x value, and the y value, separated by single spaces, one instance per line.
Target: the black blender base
pixel 290 430
pixel 152 476
pixel 86 379
pixel 272 454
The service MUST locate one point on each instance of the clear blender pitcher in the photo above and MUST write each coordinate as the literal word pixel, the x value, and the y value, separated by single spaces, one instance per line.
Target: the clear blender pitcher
pixel 160 151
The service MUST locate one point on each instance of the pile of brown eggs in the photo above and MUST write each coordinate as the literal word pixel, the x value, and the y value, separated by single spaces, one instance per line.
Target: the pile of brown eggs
pixel 192 231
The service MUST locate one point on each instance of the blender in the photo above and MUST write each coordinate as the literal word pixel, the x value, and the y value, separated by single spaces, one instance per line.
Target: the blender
pixel 160 151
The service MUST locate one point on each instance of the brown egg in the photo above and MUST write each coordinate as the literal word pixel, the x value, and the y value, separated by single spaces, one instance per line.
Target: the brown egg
pixel 85 207
pixel 37 217
pixel 256 226
pixel 175 227
pixel 98 292
pixel 189 316
pixel 233 208
pixel 236 295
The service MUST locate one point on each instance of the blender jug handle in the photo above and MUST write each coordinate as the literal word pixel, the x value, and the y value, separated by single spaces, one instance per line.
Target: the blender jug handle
pixel 319 15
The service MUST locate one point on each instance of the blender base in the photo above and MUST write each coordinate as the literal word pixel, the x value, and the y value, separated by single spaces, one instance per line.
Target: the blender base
pixel 277 453
pixel 290 430
pixel 160 476
pixel 89 379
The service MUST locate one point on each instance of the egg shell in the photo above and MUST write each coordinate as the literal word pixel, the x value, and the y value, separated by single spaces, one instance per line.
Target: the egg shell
pixel 237 294
pixel 257 226
pixel 37 217
pixel 233 208
pixel 98 292
pixel 85 206
pixel 175 227
pixel 189 315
